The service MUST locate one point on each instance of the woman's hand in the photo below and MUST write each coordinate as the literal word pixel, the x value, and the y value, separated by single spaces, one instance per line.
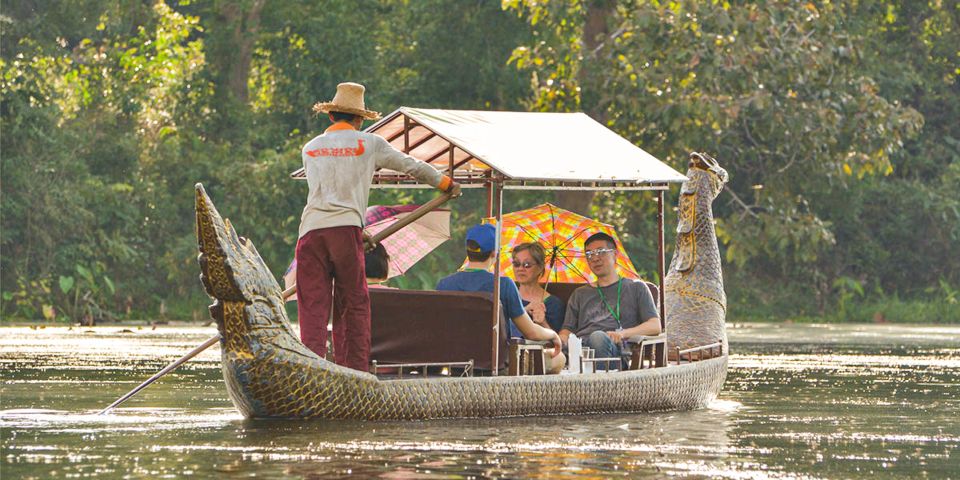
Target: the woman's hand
pixel 538 313
pixel 557 345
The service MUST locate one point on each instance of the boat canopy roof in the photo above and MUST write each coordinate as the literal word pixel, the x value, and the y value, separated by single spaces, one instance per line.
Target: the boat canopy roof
pixel 521 150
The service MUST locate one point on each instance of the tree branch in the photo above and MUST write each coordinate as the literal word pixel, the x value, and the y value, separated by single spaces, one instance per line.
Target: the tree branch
pixel 746 208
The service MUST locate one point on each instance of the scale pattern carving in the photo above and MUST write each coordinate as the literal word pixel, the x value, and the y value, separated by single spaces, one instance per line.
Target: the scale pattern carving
pixel 694 299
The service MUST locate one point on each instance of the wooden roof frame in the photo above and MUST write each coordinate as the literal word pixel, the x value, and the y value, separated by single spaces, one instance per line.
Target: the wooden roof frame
pixel 414 138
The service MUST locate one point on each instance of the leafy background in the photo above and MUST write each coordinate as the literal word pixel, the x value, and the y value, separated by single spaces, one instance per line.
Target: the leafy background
pixel 837 121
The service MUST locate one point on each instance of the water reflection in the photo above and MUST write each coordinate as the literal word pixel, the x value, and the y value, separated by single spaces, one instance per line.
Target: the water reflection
pixel 836 404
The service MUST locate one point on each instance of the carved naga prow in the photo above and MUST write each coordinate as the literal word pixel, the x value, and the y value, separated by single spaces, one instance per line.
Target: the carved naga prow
pixel 693 288
pixel 261 354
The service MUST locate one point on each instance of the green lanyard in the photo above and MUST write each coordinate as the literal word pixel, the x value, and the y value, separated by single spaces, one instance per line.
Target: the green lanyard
pixel 473 270
pixel 616 315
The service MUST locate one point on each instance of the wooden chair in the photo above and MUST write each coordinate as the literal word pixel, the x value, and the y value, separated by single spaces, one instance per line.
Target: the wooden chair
pixel 412 326
pixel 527 358
pixel 649 350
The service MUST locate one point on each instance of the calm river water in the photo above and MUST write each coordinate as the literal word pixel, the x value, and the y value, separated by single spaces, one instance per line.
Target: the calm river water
pixel 801 401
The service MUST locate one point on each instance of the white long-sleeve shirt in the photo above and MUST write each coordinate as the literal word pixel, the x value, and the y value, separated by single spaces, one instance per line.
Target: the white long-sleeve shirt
pixel 340 165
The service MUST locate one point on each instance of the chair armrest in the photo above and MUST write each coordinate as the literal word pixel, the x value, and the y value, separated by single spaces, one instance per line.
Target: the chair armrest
pixel 524 341
pixel 637 339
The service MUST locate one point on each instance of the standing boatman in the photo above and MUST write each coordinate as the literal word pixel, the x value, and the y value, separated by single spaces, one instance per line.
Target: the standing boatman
pixel 340 165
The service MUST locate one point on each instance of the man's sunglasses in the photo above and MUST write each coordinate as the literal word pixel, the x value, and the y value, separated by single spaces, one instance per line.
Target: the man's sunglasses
pixel 596 253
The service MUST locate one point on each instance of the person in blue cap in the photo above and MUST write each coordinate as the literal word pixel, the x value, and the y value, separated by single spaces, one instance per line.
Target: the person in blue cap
pixel 476 277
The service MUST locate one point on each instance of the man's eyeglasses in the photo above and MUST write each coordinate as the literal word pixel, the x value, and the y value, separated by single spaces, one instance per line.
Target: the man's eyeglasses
pixel 596 253
pixel 517 264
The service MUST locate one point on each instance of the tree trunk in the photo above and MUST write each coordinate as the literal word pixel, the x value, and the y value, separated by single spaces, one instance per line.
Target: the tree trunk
pixel 595 32
pixel 230 53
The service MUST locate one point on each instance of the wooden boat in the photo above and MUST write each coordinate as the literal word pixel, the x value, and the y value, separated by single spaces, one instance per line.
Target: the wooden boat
pixel 269 373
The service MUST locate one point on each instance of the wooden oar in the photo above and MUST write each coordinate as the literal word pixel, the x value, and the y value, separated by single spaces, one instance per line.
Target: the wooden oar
pixel 166 370
pixel 386 232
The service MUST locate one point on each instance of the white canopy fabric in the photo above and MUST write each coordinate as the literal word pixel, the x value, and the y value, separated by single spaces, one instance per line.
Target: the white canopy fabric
pixel 523 147
pixel 545 146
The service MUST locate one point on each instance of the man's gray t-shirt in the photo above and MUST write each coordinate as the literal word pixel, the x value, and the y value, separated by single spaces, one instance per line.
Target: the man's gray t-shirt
pixel 586 312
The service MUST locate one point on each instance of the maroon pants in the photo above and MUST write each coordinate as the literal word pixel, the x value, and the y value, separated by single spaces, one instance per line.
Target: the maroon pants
pixel 330 268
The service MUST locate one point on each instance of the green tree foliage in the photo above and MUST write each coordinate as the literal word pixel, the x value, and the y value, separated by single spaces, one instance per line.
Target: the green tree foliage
pixel 789 95
pixel 836 120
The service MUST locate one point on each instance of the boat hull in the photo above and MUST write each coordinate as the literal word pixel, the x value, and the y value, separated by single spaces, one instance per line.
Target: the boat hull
pixel 296 387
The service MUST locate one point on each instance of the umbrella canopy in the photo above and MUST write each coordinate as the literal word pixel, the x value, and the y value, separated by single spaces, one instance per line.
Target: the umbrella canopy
pixel 405 247
pixel 412 242
pixel 561 233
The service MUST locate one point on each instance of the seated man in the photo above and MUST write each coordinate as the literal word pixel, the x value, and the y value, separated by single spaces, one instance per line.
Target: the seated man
pixel 613 310
pixel 481 242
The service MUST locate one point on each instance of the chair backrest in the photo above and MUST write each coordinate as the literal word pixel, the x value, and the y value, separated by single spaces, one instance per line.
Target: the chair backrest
pixel 565 290
pixel 655 291
pixel 413 326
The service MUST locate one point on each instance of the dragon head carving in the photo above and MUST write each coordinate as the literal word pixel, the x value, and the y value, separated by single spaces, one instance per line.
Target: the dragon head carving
pixel 232 271
pixel 706 165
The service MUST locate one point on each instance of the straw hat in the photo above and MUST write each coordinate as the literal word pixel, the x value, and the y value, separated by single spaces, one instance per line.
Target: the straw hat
pixel 349 99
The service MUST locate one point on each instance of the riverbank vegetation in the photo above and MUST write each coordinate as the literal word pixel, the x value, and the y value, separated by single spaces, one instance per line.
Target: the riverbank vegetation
pixel 837 121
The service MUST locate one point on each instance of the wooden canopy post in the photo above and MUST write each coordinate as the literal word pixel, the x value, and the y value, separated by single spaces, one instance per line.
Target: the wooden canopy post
pixel 497 190
pixel 660 257
pixel 491 185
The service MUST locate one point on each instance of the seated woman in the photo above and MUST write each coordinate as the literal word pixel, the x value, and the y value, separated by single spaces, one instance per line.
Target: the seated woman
pixel 529 266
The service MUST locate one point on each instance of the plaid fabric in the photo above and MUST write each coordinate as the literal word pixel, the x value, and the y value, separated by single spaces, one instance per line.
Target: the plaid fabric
pixel 405 247
pixel 377 213
pixel 561 232
pixel 413 242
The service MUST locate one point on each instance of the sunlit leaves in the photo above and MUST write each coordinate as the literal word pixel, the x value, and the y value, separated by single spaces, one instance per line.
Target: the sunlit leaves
pixel 772 88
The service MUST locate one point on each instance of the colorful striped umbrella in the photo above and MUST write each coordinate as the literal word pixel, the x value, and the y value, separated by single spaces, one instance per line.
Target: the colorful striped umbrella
pixel 561 233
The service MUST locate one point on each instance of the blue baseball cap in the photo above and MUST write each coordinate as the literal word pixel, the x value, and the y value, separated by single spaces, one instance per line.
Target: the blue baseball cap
pixel 485 235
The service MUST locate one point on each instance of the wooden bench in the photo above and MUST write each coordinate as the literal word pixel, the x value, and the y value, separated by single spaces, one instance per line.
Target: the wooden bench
pixel 413 326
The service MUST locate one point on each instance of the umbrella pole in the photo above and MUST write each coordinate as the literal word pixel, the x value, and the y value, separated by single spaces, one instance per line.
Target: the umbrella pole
pixel 393 228
pixel 553 263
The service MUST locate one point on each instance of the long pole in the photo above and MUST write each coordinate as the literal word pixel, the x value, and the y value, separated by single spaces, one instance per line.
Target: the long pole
pixel 386 232
pixel 193 353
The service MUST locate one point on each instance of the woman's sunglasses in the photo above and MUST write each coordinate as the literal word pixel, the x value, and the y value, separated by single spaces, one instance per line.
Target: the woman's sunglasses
pixel 517 264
